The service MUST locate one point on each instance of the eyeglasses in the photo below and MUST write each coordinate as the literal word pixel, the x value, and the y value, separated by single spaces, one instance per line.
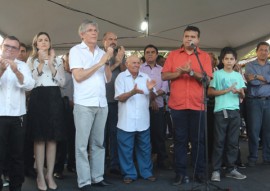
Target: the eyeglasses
pixel 12 48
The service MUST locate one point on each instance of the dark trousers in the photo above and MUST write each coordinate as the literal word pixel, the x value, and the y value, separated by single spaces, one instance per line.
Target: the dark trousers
pixel 210 129
pixel 111 136
pixel 168 123
pixel 258 112
pixel 28 151
pixel 189 125
pixel 226 136
pixel 157 134
pixel 12 135
pixel 66 148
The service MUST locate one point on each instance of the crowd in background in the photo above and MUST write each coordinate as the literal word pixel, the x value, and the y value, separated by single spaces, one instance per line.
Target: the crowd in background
pixel 97 111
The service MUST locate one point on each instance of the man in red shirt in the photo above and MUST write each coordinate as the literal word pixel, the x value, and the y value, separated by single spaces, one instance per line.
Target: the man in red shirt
pixel 187 103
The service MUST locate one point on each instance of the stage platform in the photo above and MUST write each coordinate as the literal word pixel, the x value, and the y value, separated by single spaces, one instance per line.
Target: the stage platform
pixel 257 179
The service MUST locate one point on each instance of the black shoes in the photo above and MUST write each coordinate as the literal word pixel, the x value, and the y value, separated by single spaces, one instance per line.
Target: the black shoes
pixel 241 165
pixel 86 188
pixel 115 171
pixel 102 183
pixel 179 179
pixel 251 163
pixel 164 165
pixel 266 162
pixel 71 169
pixel 16 189
pixel 200 178
pixel 58 175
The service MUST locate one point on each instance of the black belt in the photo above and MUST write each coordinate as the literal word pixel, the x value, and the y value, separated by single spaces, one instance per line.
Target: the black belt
pixel 262 98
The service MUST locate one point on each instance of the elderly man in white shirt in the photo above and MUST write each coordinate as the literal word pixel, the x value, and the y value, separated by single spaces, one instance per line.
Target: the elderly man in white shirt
pixel 132 90
pixel 15 79
pixel 90 72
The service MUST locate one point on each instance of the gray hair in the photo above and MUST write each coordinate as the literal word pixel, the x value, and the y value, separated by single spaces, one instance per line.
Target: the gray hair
pixel 84 24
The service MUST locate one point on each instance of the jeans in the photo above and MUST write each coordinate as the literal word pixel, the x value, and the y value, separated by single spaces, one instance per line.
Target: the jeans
pixel 258 113
pixel 189 125
pixel 226 136
pixel 140 141
pixel 12 136
pixel 90 125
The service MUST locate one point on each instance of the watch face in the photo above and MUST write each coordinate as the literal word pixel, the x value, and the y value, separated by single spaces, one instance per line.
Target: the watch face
pixel 191 73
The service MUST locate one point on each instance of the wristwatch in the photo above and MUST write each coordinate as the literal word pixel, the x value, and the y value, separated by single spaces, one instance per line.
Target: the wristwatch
pixel 255 76
pixel 191 73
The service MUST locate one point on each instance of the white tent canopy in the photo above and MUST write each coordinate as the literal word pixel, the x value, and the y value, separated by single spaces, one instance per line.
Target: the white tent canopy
pixel 237 23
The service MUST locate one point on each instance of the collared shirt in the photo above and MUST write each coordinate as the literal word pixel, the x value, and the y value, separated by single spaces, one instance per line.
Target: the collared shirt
pixel 186 92
pixel 90 92
pixel 155 74
pixel 256 88
pixel 133 114
pixel 12 93
pixel 45 78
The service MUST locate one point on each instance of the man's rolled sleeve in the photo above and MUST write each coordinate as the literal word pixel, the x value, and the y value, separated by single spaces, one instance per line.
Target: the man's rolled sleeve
pixel 28 82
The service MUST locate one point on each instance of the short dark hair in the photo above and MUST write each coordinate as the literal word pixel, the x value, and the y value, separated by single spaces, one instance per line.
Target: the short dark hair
pixel 227 50
pixel 150 46
pixel 23 45
pixel 223 52
pixel 11 38
pixel 262 44
pixel 193 28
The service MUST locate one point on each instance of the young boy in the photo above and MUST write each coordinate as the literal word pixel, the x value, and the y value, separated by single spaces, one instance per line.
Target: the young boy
pixel 227 87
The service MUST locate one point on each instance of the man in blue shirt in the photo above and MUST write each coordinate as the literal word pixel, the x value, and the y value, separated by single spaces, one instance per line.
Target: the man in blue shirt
pixel 258 104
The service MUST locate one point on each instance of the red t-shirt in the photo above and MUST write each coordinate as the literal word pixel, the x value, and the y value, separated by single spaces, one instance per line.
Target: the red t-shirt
pixel 186 92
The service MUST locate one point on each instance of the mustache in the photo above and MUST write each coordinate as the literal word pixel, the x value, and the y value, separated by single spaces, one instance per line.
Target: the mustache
pixel 113 45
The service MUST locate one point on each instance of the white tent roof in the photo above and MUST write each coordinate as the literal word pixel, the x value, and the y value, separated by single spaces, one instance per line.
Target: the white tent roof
pixel 237 23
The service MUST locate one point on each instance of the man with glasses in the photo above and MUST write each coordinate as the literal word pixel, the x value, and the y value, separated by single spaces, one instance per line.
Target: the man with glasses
pixel 15 79
pixel 28 144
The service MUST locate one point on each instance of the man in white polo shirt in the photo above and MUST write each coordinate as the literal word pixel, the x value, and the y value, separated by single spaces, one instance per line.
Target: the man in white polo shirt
pixel 90 72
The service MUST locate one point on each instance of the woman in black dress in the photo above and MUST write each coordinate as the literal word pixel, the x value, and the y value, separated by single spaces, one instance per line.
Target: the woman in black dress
pixel 45 107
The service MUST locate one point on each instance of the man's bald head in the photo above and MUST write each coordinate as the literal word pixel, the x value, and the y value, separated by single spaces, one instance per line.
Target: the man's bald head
pixel 133 64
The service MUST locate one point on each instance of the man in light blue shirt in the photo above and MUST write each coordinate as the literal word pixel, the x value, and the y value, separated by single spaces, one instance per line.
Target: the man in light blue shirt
pixel 257 74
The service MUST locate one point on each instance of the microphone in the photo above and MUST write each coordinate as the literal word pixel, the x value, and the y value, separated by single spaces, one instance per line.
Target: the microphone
pixel 192 45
